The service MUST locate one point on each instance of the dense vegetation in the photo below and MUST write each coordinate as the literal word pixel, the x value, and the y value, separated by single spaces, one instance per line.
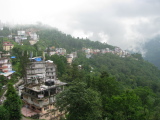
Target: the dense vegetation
pixel 106 86
pixel 53 37
pixel 127 88
pixel 129 71
pixel 11 108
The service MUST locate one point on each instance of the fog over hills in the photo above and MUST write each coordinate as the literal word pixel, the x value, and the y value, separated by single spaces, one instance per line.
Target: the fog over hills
pixel 124 23
pixel 152 49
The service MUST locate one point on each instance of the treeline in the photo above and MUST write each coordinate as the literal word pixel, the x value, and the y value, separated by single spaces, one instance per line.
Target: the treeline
pixel 11 108
pixel 130 71
pixel 53 37
pixel 99 97
pixel 109 87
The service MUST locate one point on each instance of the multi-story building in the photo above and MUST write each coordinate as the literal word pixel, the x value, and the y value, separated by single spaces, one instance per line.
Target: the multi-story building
pixel 40 99
pixel 33 36
pixel 58 51
pixel 50 70
pixel 36 68
pixel 40 90
pixel 69 58
pixel 5 66
pixel 22 35
pixel 7 46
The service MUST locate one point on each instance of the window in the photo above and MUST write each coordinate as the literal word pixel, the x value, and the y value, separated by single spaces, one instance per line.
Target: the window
pixel 36 101
pixel 46 108
pixel 53 113
pixel 39 109
pixel 25 96
pixel 46 115
pixel 31 99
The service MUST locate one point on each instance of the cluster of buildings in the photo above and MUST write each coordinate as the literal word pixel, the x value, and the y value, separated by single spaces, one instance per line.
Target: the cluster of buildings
pixel 70 57
pixel 118 51
pixel 5 65
pixel 52 51
pixel 40 88
pixel 22 35
pixel 61 51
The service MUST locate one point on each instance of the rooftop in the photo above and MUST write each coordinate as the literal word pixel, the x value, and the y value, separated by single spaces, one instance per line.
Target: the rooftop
pixel 7 44
pixel 45 86
pixel 7 73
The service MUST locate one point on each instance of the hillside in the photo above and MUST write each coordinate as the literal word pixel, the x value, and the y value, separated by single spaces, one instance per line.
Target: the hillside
pixel 129 71
pixel 106 84
pixel 53 37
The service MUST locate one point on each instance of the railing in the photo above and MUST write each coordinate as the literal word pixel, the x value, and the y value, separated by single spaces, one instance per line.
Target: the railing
pixel 4 67
pixel 5 70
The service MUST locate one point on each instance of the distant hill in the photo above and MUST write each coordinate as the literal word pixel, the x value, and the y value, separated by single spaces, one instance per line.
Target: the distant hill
pixel 153 51
pixel 53 37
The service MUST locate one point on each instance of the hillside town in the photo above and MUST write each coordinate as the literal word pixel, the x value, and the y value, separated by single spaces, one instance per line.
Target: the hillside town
pixel 79 60
pixel 40 86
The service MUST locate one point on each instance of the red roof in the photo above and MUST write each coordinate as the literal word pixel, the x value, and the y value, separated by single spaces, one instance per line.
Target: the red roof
pixel 7 44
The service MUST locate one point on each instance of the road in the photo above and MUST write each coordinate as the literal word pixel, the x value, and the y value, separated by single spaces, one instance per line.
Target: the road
pixel 3 98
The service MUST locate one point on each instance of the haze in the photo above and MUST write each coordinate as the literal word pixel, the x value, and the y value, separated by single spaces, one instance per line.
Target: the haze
pixel 124 23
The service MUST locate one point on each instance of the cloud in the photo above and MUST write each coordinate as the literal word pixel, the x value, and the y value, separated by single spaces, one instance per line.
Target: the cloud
pixel 124 23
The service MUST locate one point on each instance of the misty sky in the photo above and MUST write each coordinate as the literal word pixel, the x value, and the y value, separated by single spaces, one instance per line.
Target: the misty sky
pixel 123 23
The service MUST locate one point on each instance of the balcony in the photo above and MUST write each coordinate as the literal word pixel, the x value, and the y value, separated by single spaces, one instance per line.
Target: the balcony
pixel 51 70
pixel 5 67
pixel 5 70
pixel 50 75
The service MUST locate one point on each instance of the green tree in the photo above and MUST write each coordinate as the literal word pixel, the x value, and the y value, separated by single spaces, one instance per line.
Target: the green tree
pixel 5 32
pixel 126 106
pixel 80 102
pixel 3 81
pixel 4 114
pixel 61 62
pixel 13 103
pixel 107 86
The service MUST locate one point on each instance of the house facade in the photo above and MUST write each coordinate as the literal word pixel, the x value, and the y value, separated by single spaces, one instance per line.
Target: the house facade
pixel 7 46
pixel 5 66
pixel 35 69
pixel 50 70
